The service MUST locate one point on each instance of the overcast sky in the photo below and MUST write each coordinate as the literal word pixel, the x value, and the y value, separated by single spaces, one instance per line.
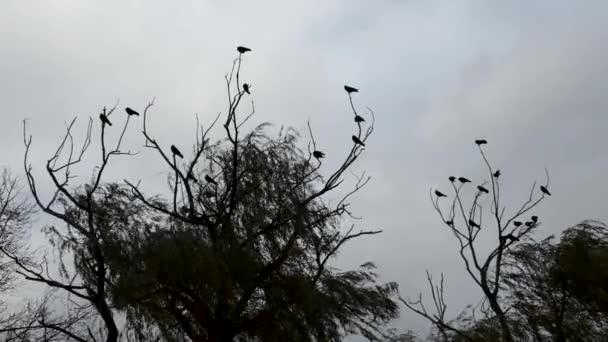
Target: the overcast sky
pixel 529 76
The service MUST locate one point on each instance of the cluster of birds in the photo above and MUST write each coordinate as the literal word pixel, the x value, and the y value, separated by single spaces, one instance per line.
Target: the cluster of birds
pixel 358 119
pixel 463 180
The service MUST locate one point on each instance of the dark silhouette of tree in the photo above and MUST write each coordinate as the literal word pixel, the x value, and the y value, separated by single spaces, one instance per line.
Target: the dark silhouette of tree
pixel 484 267
pixel 245 255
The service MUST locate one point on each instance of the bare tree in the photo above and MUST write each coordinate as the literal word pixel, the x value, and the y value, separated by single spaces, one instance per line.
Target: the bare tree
pixel 486 269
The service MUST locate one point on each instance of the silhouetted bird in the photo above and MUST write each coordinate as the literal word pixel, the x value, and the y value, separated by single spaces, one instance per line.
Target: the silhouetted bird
pixel 318 154
pixel 104 119
pixel 517 223
pixel 350 89
pixel 544 190
pixel 449 223
pixel 176 152
pixel 242 49
pixel 357 141
pixel 359 119
pixel 529 223
pixel 463 180
pixel 534 218
pixel 210 180
pixel 440 194
pixel 482 189
pixel 452 179
pixel 497 174
pixel 191 176
pixel 246 88
pixel 131 111
pixel 473 224
pixel 512 237
pixel 481 141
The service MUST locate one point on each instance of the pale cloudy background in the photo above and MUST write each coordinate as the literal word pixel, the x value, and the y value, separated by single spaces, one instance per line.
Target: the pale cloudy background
pixel 529 76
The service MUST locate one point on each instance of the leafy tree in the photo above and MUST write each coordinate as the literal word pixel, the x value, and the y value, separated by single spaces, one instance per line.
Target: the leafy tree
pixel 240 249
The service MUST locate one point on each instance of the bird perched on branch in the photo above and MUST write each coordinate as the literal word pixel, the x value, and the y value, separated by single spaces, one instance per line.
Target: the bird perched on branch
pixel 534 218
pixel 359 119
pixel 497 174
pixel 517 223
pixel 191 176
pixel 482 189
pixel 210 180
pixel 104 119
pixel 242 49
pixel 350 89
pixel 463 180
pixel 449 223
pixel 318 154
pixel 176 152
pixel 131 111
pixel 545 190
pixel 246 88
pixel 440 194
pixel 481 141
pixel 452 179
pixel 357 141
pixel 473 224
pixel 529 223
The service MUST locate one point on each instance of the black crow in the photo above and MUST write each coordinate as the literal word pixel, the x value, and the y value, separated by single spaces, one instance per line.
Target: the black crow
pixel 497 174
pixel 473 224
pixel 440 194
pixel 350 89
pixel 481 141
pixel 357 141
pixel 242 49
pixel 534 218
pixel 176 152
pixel 104 119
pixel 449 223
pixel 516 223
pixel 359 119
pixel 529 223
pixel 463 180
pixel 131 111
pixel 482 189
pixel 318 154
pixel 544 190
pixel 210 180
pixel 246 88
pixel 452 179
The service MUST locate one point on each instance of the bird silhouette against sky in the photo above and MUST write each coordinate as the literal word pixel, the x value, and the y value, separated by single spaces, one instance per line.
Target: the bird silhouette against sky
pixel 440 194
pixel 246 88
pixel 357 141
pixel 131 111
pixel 463 180
pixel 359 119
pixel 545 190
pixel 104 119
pixel 482 189
pixel 318 154
pixel 452 179
pixel 210 180
pixel 473 224
pixel 517 223
pixel 242 49
pixel 191 176
pixel 350 89
pixel 496 174
pixel 529 223
pixel 449 223
pixel 481 141
pixel 176 152
pixel 534 218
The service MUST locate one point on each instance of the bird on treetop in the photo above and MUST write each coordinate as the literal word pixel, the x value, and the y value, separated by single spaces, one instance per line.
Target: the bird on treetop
pixel 497 174
pixel 440 194
pixel 452 179
pixel 481 141
pixel 516 223
pixel 131 111
pixel 246 88
pixel 104 119
pixel 482 189
pixel 242 49
pixel 359 119
pixel 176 152
pixel 318 154
pixel 357 141
pixel 545 190
pixel 463 180
pixel 350 89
